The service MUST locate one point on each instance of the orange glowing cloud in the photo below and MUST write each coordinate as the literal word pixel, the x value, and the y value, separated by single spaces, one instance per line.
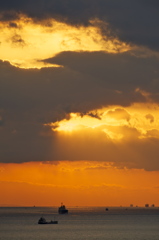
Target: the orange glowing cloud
pixel 25 43
pixel 116 122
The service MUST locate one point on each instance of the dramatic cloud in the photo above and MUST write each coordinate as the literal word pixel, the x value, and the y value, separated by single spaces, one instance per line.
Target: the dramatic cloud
pixel 80 81
pixel 134 21
pixel 24 47
pixel 120 73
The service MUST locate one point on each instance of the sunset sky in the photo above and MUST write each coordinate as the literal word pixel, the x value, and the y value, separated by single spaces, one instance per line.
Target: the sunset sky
pixel 79 102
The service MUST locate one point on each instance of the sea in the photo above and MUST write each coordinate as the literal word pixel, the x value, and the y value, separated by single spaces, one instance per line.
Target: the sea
pixel 81 223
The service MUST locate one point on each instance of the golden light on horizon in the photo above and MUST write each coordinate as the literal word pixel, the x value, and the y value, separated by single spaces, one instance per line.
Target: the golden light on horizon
pixel 25 43
pixel 82 183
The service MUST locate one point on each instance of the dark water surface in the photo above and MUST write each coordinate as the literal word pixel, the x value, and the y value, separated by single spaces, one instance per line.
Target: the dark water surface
pixel 88 223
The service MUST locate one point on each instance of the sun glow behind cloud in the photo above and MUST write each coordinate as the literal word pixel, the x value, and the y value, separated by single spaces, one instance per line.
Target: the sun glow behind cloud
pixel 141 120
pixel 25 43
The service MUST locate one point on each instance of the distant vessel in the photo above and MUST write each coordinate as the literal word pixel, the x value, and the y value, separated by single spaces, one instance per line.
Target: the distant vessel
pixel 62 209
pixel 42 220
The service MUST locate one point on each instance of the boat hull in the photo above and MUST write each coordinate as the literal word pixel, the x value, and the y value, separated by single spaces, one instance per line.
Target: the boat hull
pixel 63 211
pixel 42 220
pixel 52 222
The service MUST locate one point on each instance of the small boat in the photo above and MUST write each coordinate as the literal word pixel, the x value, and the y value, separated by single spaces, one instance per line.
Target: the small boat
pixel 62 209
pixel 42 220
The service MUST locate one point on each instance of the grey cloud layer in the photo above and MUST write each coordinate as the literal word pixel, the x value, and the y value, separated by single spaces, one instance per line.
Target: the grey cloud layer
pixel 121 73
pixel 87 81
pixel 135 21
pixel 31 98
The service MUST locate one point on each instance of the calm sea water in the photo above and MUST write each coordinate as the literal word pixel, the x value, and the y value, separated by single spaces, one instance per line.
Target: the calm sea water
pixel 89 223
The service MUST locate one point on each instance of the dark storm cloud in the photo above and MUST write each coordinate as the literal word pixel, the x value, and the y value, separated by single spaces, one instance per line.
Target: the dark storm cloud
pixel 69 10
pixel 23 142
pixel 135 21
pixel 1 122
pixel 119 75
pixel 86 82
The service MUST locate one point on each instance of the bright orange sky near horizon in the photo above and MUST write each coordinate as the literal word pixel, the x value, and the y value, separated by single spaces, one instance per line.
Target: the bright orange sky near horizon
pixel 78 183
